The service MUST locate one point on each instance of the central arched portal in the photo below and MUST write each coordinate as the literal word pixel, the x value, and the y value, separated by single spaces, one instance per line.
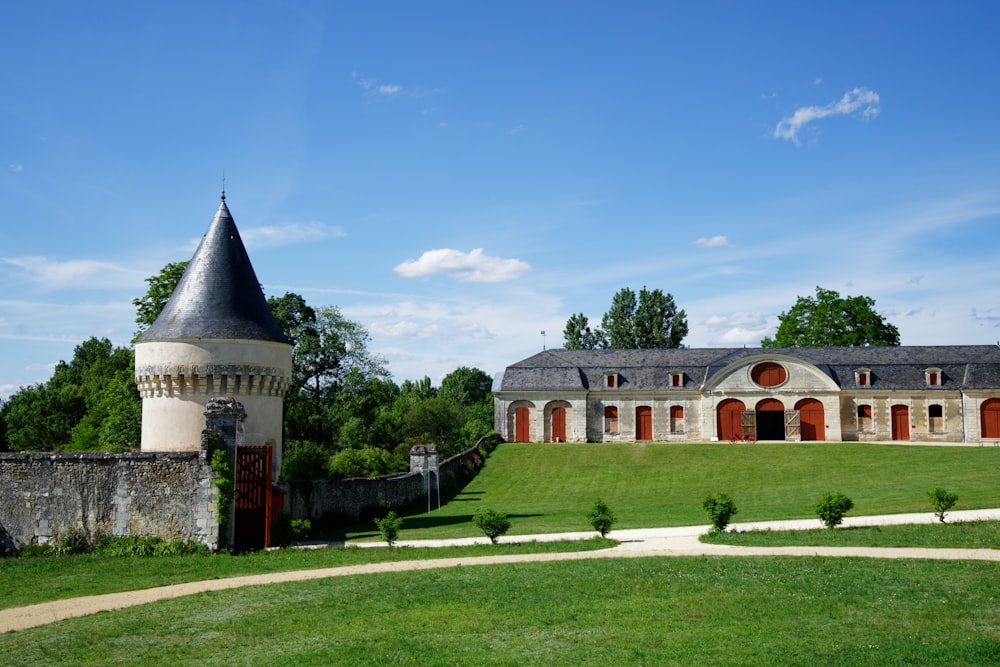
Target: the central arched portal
pixel 770 419
pixel 559 424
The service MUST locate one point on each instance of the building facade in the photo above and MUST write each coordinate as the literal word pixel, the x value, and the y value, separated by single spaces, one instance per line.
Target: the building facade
pixel 925 393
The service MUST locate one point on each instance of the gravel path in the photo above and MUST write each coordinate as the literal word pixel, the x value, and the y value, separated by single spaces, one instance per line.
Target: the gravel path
pixel 682 541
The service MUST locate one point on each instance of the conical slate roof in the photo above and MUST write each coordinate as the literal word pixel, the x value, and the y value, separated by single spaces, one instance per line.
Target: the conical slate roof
pixel 218 296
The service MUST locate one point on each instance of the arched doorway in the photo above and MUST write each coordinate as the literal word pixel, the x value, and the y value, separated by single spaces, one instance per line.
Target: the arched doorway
pixel 644 423
pixel 812 420
pixel 558 424
pixel 989 418
pixel 522 424
pixel 900 415
pixel 770 419
pixel 729 418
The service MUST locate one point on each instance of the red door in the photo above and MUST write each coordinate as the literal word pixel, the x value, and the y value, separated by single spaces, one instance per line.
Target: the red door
pixel 522 425
pixel 812 421
pixel 990 418
pixel 644 423
pixel 730 416
pixel 558 424
pixel 900 422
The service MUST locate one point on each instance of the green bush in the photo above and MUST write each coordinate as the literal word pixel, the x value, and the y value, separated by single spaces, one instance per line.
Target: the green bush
pixel 71 541
pixel 388 527
pixel 721 509
pixel 492 523
pixel 364 462
pixel 942 500
pixel 832 507
pixel 601 517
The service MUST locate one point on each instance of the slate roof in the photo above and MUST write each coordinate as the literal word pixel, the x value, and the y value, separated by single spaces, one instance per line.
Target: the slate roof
pixel 219 295
pixel 962 367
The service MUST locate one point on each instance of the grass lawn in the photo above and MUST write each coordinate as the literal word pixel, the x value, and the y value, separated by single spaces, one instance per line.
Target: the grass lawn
pixel 30 580
pixel 643 611
pixel 959 535
pixel 547 488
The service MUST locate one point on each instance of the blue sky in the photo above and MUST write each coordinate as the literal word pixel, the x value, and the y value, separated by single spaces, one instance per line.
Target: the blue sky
pixel 460 177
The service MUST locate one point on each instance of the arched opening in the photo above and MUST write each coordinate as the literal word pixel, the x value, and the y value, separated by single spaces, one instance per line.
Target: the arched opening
pixel 812 420
pixel 611 419
pixel 676 419
pixel 770 419
pixel 558 421
pixel 900 415
pixel 729 418
pixel 522 424
pixel 989 418
pixel 769 374
pixel 644 423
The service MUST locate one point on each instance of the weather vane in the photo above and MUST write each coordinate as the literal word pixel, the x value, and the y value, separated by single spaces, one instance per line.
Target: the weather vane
pixel 543 340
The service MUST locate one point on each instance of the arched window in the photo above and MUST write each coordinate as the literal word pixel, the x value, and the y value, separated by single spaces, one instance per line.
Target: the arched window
pixel 935 418
pixel 676 419
pixel 864 419
pixel 610 419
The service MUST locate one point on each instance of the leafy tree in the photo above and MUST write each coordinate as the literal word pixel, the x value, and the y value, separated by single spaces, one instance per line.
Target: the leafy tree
pixel 616 324
pixel 649 320
pixel 364 462
pixel 301 463
pixel 577 335
pixel 418 390
pixel 388 527
pixel 829 319
pixel 121 429
pixel 465 386
pixel 161 286
pixel 435 421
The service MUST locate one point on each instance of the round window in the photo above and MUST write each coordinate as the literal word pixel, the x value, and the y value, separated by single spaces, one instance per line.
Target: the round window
pixel 769 374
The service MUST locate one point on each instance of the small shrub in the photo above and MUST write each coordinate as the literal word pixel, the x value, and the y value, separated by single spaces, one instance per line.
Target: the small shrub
pixel 601 517
pixel 301 529
pixel 388 527
pixel 942 500
pixel 832 507
pixel 281 530
pixel 34 551
pixel 72 541
pixel 492 523
pixel 720 508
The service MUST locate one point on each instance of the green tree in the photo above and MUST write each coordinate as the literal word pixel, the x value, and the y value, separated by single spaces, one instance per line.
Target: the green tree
pixel 649 321
pixel 465 386
pixel 435 421
pixel 494 524
pixel 577 335
pixel 161 286
pixel 601 517
pixel 301 463
pixel 829 319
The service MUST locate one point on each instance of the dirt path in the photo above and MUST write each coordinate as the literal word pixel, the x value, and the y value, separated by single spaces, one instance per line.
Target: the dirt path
pixel 681 541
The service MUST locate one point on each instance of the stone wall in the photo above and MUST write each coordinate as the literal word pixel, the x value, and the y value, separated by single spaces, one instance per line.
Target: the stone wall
pixel 169 495
pixel 359 499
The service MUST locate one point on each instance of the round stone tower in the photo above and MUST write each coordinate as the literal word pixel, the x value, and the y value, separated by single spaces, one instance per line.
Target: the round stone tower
pixel 214 338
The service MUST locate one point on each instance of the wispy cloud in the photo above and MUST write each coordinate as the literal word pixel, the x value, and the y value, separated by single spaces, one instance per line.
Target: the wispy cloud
pixel 16 168
pixel 713 242
pixel 861 101
pixel 472 266
pixel 374 88
pixel 75 273
pixel 279 235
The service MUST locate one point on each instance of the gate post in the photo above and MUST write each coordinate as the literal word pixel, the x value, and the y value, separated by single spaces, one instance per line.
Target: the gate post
pixel 224 417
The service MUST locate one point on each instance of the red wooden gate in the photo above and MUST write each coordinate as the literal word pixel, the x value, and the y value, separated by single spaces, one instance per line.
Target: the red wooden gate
pixel 900 415
pixel 812 419
pixel 644 423
pixel 558 424
pixel 252 498
pixel 990 418
pixel 522 425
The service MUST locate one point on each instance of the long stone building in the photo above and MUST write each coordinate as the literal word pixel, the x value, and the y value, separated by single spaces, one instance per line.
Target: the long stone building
pixel 925 393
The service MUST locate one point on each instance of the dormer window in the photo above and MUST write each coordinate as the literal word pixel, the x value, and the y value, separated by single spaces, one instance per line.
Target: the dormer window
pixel 611 380
pixel 677 379
pixel 933 377
pixel 863 377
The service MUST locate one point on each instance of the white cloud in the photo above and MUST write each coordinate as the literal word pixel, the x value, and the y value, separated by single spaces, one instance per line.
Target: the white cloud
pixel 862 101
pixel 279 235
pixel 463 266
pixel 75 273
pixel 16 168
pixel 389 89
pixel 713 242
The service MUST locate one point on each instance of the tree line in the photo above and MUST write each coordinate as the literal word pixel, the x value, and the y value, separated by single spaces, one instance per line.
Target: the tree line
pixel 344 414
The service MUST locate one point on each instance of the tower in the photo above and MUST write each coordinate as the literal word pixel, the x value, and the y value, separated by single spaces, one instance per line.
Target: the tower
pixel 214 338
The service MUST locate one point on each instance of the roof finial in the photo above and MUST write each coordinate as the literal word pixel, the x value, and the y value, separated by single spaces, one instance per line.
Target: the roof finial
pixel 223 185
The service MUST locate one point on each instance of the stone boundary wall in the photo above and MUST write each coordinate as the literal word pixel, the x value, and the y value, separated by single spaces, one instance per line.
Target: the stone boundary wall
pixel 362 498
pixel 168 495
